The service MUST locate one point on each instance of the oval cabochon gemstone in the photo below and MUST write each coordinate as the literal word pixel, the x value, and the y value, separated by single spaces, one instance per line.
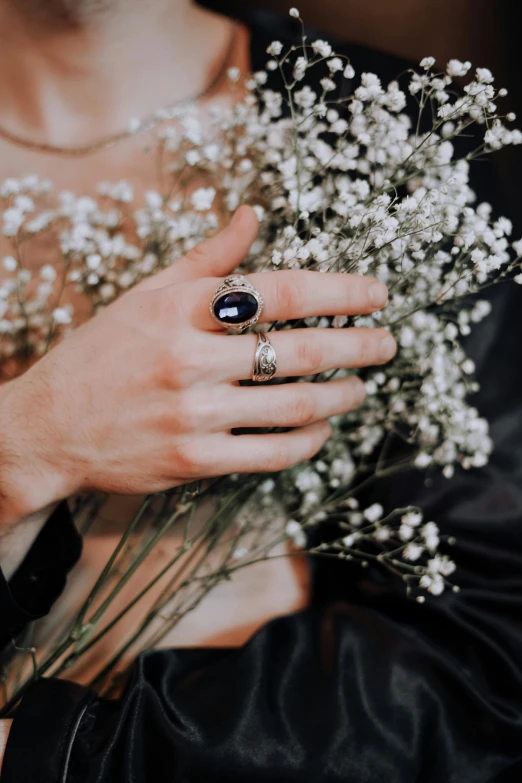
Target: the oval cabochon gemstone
pixel 235 308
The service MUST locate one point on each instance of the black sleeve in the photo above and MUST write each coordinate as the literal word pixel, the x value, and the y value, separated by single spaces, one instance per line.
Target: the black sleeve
pixel 41 577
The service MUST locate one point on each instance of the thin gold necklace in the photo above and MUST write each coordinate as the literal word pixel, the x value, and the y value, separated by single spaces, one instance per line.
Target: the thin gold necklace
pixel 134 129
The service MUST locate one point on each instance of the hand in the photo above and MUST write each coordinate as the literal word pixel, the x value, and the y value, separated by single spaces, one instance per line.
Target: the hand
pixel 144 396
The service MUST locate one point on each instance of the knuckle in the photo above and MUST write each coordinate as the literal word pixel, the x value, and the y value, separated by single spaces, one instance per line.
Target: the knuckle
pixel 176 368
pixel 308 352
pixel 163 308
pixel 290 292
pixel 365 347
pixel 356 394
pixel 315 440
pixel 162 374
pixel 198 253
pixel 303 407
pixel 279 459
pixel 185 415
pixel 186 461
pixel 187 369
pixel 313 444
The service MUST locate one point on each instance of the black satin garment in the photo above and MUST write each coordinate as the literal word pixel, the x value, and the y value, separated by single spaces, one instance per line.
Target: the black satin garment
pixel 340 692
pixel 365 686
pixel 40 579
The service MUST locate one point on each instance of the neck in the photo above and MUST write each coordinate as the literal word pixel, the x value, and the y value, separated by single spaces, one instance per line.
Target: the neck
pixel 69 81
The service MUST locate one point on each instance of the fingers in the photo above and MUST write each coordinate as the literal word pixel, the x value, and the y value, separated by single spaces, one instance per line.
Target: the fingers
pixel 288 405
pixel 219 454
pixel 291 295
pixel 214 257
pixel 299 352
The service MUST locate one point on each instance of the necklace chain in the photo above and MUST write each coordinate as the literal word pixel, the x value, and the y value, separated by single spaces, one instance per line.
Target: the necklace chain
pixel 141 126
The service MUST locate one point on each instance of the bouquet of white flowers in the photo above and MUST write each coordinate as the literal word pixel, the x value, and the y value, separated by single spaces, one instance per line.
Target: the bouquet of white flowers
pixel 341 180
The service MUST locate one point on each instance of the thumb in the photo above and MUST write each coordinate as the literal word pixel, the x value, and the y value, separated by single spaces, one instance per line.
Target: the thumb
pixel 214 257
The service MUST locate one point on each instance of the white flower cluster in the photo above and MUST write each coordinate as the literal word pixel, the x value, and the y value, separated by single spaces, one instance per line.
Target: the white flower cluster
pixel 338 185
pixel 413 542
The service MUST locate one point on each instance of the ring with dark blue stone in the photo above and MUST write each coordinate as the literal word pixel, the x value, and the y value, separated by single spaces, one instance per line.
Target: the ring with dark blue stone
pixel 236 304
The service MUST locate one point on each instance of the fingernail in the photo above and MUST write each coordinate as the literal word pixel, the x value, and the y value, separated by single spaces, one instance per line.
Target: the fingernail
pixel 378 294
pixel 387 348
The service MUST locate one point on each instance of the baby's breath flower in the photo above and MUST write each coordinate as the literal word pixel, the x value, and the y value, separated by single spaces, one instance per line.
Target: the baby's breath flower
pixel 13 219
pixel 48 273
pixel 382 534
pixel 134 125
pixel 440 565
pixel 295 532
pixel 203 198
pixel 260 78
pixel 412 518
pixel 328 85
pixel 9 187
pixel 433 583
pixel 427 62
pixel 321 47
pixel 374 512
pixel 335 64
pixel 356 189
pixel 10 264
pixel 275 48
pixel 484 76
pixel 457 68
pixel 413 551
pixel 405 532
pixel 62 315
pixel 422 460
pixel 153 199
pixel 192 157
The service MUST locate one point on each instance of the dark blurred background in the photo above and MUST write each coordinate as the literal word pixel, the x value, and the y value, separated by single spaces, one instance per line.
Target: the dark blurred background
pixel 483 31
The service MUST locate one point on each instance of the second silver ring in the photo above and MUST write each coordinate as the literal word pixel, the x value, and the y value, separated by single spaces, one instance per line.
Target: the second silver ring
pixel 265 359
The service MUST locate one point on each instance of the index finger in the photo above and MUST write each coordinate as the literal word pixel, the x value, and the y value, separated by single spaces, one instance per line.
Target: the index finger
pixel 218 255
pixel 293 294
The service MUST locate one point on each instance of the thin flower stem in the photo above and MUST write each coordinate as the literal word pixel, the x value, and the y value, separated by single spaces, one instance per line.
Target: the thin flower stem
pixel 111 561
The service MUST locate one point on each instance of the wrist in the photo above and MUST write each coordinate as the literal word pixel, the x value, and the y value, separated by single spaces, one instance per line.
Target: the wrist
pixel 29 482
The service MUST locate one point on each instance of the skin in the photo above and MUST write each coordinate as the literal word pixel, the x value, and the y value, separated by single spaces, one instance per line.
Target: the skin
pixel 106 427
pixel 143 396
pixel 69 82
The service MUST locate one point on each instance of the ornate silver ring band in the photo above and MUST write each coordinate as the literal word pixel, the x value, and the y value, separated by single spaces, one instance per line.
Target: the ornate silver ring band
pixel 265 360
pixel 236 304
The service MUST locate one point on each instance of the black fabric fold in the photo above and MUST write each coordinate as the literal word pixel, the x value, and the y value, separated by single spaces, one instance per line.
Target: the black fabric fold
pixel 337 693
pixel 43 735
